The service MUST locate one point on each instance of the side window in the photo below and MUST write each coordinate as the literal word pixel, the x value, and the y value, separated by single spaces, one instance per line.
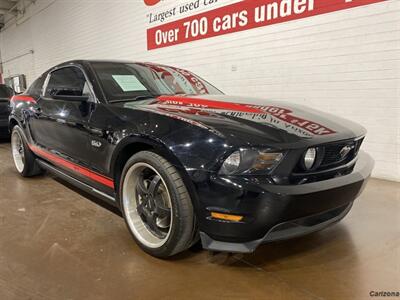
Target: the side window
pixel 69 81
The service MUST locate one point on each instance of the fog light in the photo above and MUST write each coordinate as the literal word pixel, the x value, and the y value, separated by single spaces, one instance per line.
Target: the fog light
pixel 309 158
pixel 226 217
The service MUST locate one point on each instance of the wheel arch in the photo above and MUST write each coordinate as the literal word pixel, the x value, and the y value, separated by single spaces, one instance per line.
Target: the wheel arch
pixel 12 123
pixel 132 145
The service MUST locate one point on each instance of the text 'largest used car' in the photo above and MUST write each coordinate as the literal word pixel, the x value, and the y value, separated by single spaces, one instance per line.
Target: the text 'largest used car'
pixel 183 161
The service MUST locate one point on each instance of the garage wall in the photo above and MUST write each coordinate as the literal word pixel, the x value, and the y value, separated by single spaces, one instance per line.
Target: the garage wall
pixel 346 62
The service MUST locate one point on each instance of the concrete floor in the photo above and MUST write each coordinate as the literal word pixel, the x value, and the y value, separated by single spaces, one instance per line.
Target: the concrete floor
pixel 56 244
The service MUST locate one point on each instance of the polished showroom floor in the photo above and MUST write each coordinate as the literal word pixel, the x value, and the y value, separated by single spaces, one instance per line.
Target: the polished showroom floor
pixel 56 244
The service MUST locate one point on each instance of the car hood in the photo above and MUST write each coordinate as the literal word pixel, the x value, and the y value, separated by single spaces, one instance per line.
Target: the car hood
pixel 254 121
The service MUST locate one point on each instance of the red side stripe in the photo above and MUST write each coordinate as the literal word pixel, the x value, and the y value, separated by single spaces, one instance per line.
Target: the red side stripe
pixel 23 98
pixel 205 103
pixel 74 167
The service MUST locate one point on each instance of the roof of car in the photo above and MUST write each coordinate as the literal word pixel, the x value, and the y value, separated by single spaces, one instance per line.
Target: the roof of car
pixel 85 61
pixel 89 61
pixel 80 61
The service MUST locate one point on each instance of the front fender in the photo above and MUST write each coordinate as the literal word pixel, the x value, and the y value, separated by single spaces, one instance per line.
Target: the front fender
pixel 141 142
pixel 21 112
pixel 133 144
pixel 12 121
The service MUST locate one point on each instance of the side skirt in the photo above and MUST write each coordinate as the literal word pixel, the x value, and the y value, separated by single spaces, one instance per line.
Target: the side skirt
pixel 83 186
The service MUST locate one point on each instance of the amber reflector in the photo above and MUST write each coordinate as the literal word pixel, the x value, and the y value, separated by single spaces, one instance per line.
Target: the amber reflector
pixel 226 217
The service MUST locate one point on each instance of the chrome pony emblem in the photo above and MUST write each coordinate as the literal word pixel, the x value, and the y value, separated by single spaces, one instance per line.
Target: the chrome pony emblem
pixel 345 151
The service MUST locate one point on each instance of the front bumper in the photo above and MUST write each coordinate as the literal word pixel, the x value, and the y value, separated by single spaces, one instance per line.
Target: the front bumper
pixel 276 212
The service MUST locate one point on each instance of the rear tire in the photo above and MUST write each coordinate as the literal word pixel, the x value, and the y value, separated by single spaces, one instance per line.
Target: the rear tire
pixel 24 159
pixel 156 205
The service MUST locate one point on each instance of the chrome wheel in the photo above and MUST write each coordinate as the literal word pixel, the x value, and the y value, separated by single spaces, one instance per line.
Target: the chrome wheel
pixel 147 205
pixel 18 151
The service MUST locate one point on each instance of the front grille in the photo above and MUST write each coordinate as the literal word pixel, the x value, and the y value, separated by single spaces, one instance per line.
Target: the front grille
pixel 334 154
pixel 331 161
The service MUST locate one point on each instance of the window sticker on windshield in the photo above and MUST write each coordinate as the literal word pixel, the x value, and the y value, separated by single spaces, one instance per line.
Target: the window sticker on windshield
pixel 129 83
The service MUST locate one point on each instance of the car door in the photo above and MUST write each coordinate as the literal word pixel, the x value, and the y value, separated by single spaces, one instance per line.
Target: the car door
pixel 63 111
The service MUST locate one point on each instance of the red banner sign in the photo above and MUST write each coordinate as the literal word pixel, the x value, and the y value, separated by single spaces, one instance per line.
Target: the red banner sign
pixel 244 15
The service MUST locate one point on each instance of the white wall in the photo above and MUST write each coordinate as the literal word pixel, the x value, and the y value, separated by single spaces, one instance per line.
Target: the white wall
pixel 346 62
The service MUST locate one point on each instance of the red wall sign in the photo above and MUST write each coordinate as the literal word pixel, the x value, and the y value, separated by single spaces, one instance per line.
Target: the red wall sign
pixel 242 16
pixel 151 2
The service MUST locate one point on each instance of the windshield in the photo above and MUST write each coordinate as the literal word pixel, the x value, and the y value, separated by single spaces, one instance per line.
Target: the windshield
pixel 123 81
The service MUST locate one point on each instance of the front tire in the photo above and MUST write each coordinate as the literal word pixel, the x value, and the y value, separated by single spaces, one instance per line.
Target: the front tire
pixel 156 205
pixel 24 159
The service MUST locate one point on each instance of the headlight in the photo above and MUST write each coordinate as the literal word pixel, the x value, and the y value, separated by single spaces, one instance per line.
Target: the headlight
pixel 250 161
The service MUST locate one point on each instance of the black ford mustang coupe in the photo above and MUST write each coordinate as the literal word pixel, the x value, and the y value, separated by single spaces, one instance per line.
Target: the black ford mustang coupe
pixel 183 161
